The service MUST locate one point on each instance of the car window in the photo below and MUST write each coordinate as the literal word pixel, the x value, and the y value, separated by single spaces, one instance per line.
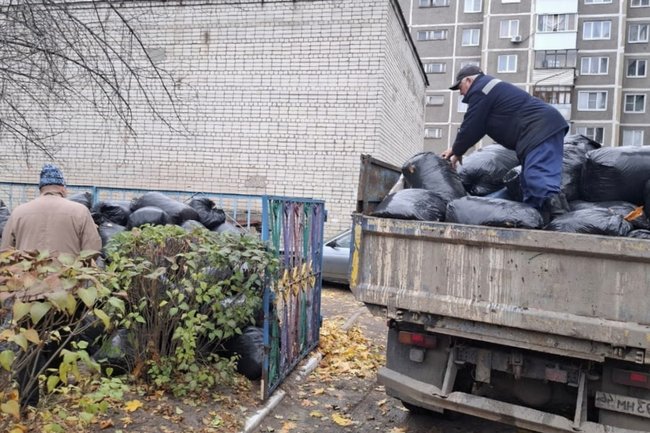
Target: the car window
pixel 344 241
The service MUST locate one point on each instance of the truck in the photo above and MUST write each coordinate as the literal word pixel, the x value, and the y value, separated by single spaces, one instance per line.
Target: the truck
pixel 546 331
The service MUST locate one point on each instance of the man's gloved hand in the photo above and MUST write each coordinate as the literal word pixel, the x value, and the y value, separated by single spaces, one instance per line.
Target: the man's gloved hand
pixel 453 159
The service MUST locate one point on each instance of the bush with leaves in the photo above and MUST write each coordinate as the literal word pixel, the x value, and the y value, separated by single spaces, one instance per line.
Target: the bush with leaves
pixel 48 306
pixel 187 293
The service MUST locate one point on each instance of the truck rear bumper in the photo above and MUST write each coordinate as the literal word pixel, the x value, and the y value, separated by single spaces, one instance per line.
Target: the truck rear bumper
pixel 428 396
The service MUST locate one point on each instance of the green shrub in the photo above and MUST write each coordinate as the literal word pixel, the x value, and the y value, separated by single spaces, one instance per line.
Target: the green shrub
pixel 187 293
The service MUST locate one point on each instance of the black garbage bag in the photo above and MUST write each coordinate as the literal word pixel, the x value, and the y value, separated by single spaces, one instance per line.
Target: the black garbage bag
pixel 117 352
pixel 107 230
pixel 412 204
pixel 429 171
pixel 572 162
pixel 178 212
pixel 190 225
pixel 512 181
pixel 209 215
pixel 632 213
pixel 639 234
pixel 616 173
pixel 646 207
pixel 597 221
pixel 84 198
pixel 227 228
pixel 582 141
pixel 250 348
pixel 148 215
pixel 115 211
pixel 93 333
pixel 4 216
pixel 482 171
pixel 495 212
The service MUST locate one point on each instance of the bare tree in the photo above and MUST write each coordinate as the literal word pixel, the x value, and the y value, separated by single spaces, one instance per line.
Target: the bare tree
pixel 62 53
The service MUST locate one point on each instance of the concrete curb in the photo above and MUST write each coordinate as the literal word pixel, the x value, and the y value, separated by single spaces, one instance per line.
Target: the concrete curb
pixel 256 419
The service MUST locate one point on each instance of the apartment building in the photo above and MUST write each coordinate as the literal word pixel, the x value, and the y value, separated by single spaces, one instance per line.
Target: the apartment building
pixel 588 58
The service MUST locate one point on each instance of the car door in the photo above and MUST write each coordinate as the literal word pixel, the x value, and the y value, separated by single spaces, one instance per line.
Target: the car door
pixel 336 258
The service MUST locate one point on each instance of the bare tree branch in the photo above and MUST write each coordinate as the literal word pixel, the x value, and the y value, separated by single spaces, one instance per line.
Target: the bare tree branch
pixel 56 53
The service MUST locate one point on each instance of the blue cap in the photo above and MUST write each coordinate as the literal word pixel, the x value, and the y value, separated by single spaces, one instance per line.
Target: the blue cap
pixel 51 175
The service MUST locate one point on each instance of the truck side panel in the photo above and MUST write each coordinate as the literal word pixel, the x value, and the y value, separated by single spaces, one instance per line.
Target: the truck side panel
pixel 585 287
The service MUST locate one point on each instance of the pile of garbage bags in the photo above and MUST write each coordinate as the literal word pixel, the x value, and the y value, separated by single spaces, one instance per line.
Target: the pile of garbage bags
pixel 155 208
pixel 608 190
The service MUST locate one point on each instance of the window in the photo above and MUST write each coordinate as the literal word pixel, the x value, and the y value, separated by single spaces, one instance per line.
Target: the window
pixel 462 107
pixel 640 3
pixel 507 63
pixel 597 2
pixel 435 68
pixel 633 137
pixel 636 68
pixel 435 100
pixel 556 23
pixel 634 103
pixel 432 35
pixel 592 101
pixel 472 6
pixel 594 65
pixel 554 59
pixel 596 30
pixel 638 33
pixel 433 3
pixel 469 62
pixel 553 94
pixel 595 134
pixel 432 132
pixel 508 29
pixel 471 37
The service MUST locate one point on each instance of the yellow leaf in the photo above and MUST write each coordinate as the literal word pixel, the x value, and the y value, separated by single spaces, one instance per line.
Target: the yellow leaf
pixel 19 428
pixel 398 430
pixel 315 414
pixel 341 420
pixel 31 335
pixel 12 408
pixel 288 426
pixel 319 391
pixel 132 405
pixel 20 309
pixel 38 310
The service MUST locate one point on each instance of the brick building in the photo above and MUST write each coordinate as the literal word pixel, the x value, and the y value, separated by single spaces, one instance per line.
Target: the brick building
pixel 275 98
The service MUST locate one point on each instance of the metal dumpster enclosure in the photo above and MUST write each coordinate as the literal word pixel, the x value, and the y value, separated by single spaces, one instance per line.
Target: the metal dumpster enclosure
pixel 292 227
pixel 582 287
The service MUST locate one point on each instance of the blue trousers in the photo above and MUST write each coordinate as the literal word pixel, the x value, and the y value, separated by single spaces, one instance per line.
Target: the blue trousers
pixel 541 175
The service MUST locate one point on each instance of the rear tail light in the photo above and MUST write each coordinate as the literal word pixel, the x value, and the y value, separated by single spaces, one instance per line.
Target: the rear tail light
pixel 417 339
pixel 631 378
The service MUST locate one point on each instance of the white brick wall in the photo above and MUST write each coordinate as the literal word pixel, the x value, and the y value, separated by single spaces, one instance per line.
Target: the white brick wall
pixel 279 98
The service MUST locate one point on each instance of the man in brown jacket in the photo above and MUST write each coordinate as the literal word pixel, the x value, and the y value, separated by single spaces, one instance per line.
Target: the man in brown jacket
pixel 51 222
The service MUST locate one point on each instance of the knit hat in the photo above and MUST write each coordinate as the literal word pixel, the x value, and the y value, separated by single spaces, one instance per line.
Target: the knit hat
pixel 51 175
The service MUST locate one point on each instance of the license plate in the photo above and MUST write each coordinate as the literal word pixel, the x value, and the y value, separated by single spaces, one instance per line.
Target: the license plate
pixel 623 404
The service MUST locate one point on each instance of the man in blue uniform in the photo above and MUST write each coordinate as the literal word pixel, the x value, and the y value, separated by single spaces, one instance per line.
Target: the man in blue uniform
pixel 518 121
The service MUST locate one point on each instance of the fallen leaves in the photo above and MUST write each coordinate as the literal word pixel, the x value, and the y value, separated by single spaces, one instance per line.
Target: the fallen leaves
pixel 341 420
pixel 132 405
pixel 348 352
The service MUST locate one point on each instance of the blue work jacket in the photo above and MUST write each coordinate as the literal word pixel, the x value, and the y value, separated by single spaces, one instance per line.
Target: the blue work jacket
pixel 508 115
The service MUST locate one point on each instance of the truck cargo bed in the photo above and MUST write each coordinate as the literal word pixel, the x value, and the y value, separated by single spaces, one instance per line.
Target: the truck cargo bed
pixel 560 291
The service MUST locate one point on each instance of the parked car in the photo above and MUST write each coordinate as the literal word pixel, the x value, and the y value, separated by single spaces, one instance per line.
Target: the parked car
pixel 336 258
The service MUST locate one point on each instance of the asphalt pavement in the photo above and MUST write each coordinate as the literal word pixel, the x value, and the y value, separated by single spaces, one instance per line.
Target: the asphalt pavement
pixel 349 403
